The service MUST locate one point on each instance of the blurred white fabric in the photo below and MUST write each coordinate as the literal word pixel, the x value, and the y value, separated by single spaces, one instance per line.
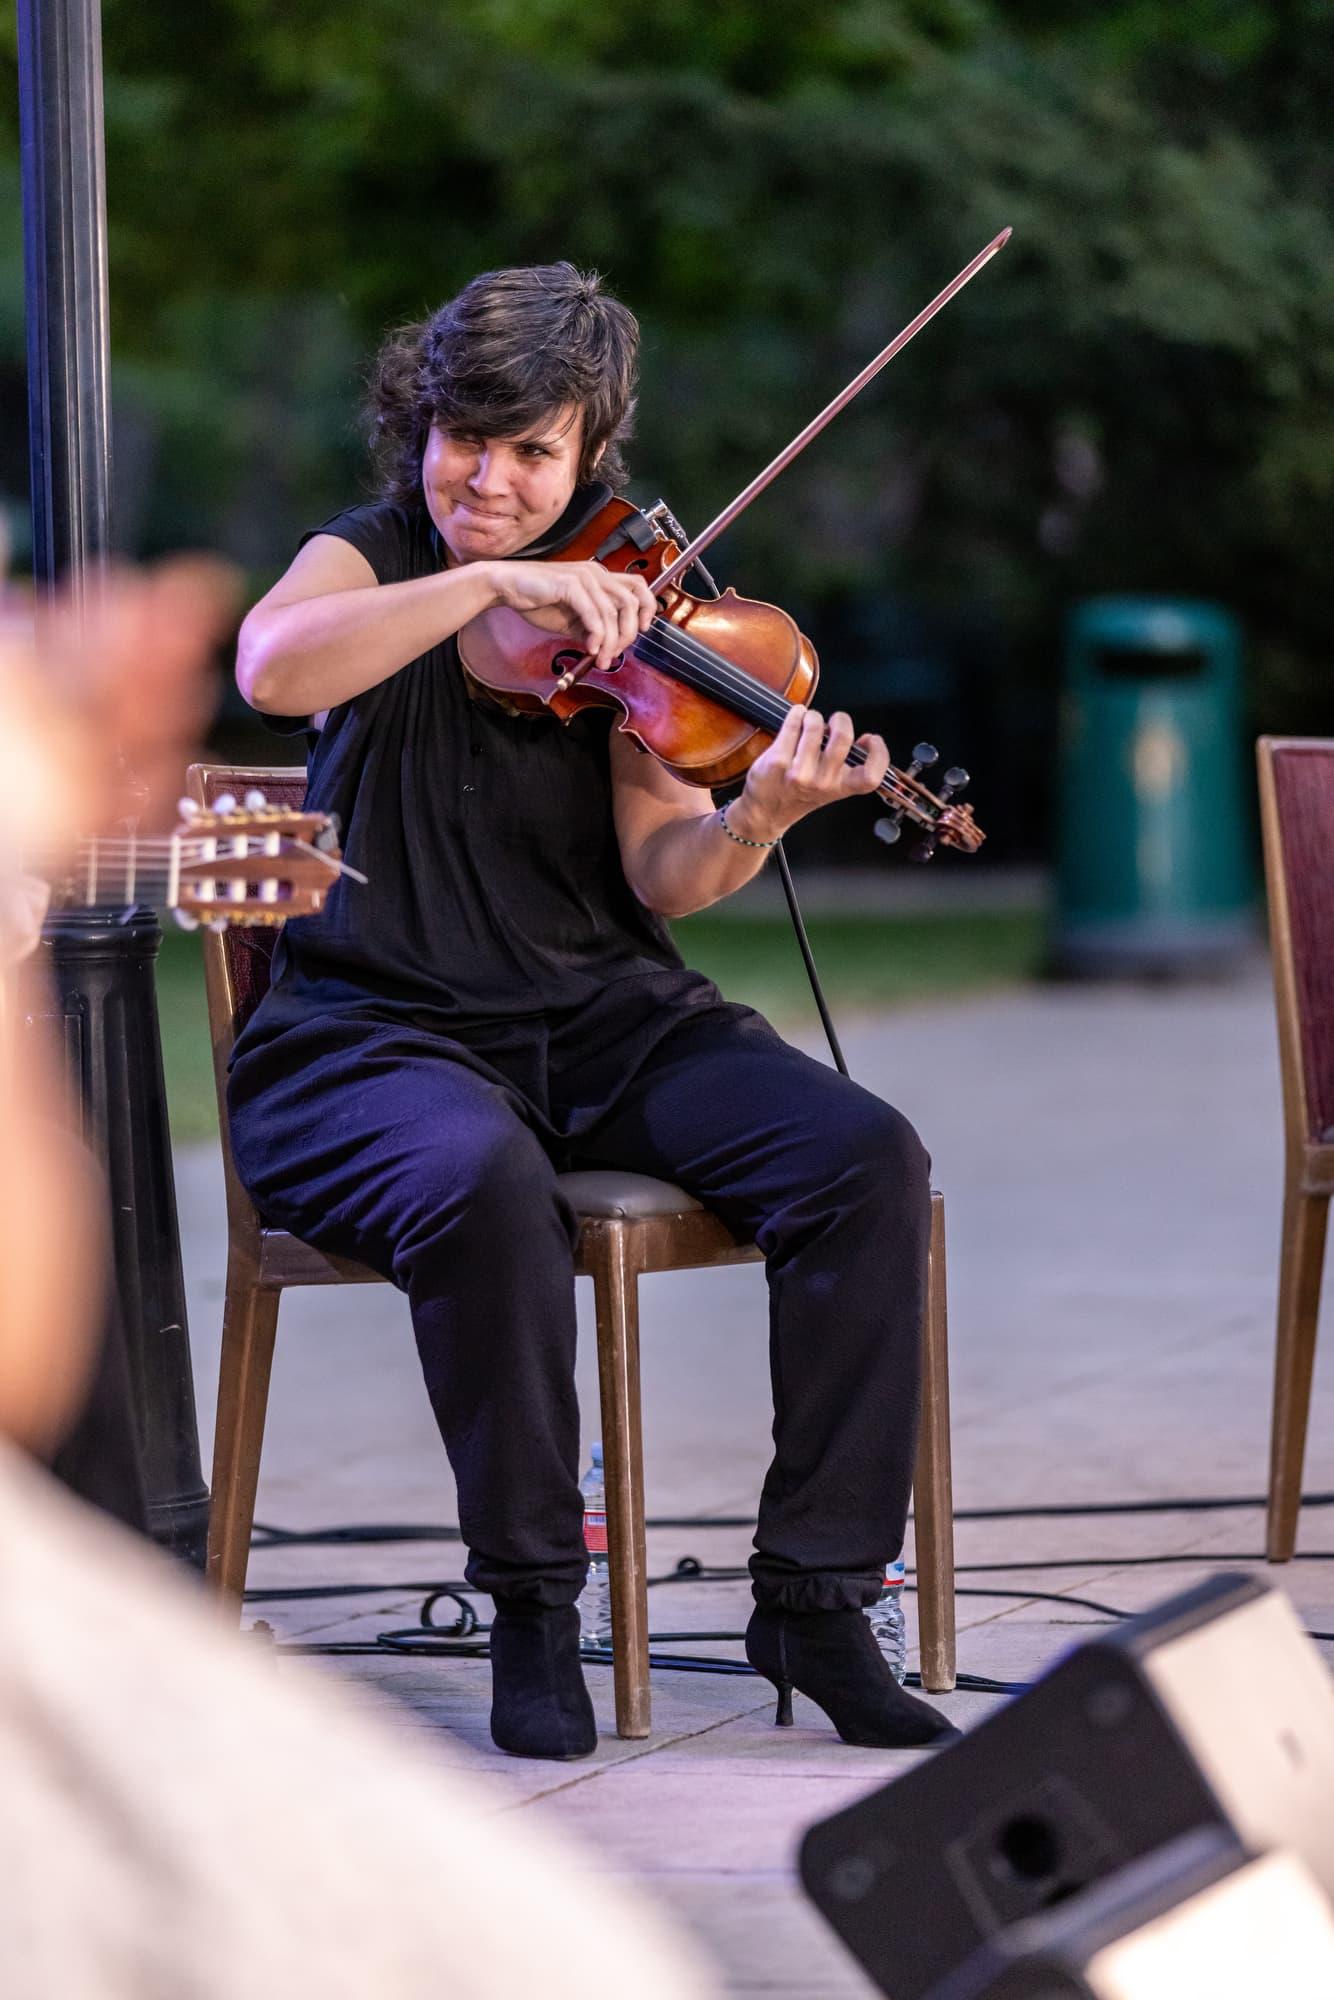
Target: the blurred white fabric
pixel 185 1818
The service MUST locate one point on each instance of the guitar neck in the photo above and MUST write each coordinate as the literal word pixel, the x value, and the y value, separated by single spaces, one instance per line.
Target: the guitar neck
pixel 117 872
pixel 257 866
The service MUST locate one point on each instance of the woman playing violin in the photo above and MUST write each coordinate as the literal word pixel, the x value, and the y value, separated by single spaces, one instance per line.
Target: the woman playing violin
pixel 504 1002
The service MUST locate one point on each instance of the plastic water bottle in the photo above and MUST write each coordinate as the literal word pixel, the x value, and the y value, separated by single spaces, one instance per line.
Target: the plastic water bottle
pixel 888 1622
pixel 595 1597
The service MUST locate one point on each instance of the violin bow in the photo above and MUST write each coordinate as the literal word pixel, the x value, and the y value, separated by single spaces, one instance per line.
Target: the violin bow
pixel 799 443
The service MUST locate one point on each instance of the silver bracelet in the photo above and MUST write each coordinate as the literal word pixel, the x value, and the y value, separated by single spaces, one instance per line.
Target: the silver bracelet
pixel 740 838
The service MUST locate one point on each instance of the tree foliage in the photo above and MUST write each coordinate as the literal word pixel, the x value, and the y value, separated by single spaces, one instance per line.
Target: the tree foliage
pixel 1136 396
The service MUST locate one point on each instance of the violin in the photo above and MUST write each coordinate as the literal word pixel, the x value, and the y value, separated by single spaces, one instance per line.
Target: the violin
pixel 707 686
pixel 704 689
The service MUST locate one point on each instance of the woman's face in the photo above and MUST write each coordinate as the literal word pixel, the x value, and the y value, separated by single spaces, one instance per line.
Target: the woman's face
pixel 490 497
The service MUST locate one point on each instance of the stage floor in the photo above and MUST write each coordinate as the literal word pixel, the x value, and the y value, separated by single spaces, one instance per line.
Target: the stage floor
pixel 1111 1162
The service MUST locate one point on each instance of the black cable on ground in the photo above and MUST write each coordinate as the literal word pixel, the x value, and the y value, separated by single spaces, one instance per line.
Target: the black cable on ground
pixel 267 1536
pixel 698 1572
pixel 1059 1510
pixel 1138 1562
pixel 691 1570
pixel 467 1639
pixel 414 1643
pixel 299 1593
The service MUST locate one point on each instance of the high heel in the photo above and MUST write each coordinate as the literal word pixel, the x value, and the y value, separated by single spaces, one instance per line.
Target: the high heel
pixel 832 1657
pixel 540 1706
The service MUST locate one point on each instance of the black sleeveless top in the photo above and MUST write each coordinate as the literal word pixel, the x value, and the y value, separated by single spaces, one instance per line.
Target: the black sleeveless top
pixel 495 891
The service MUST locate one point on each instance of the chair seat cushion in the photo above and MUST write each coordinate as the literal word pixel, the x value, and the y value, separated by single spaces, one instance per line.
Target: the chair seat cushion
pixel 595 1195
pixel 603 1192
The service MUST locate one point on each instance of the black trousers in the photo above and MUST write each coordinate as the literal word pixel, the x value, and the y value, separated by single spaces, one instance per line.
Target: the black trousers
pixel 374 1140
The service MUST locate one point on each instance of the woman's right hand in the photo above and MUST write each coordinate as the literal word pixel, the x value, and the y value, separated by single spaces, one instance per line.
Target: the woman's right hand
pixel 602 611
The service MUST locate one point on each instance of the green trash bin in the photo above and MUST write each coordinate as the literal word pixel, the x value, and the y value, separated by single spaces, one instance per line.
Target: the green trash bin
pixel 1154 868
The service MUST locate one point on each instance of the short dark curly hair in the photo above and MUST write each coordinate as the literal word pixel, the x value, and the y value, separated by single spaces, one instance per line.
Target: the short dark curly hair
pixel 511 349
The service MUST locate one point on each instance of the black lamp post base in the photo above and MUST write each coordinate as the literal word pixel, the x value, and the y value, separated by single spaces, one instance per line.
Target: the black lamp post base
pixel 102 997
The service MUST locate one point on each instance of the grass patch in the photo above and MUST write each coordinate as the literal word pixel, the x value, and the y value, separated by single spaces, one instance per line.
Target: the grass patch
pixel 187 1054
pixel 865 962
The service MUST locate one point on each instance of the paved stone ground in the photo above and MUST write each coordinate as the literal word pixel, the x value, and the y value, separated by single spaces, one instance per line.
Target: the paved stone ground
pixel 1111 1166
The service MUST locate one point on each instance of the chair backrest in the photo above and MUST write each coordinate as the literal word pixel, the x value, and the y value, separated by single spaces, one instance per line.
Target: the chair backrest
pixel 237 961
pixel 1297 823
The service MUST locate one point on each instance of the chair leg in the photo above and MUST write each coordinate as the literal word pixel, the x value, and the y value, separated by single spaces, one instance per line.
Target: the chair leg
pixel 933 1501
pixel 249 1323
pixel 1301 1263
pixel 609 1258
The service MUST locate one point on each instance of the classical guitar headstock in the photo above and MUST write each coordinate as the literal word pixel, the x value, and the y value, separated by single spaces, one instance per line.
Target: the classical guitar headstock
pixel 252 863
pixel 942 822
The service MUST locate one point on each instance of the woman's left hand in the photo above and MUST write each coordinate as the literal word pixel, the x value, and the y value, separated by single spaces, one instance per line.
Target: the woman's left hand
pixel 802 769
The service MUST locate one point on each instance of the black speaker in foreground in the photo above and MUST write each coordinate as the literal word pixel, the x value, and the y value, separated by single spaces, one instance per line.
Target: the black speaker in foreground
pixel 1213 1712
pixel 1199 1919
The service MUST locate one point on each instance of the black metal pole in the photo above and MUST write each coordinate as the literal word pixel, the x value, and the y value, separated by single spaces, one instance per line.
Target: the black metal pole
pixel 142 1416
pixel 65 276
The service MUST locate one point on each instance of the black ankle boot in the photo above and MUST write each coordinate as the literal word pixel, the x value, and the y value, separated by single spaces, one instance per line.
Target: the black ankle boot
pixel 540 1706
pixel 832 1656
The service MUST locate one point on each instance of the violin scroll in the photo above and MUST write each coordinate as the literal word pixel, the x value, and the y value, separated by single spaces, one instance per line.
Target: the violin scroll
pixel 942 822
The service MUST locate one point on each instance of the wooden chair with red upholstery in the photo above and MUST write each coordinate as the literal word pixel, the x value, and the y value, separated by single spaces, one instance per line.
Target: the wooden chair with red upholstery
pixel 630 1225
pixel 1297 823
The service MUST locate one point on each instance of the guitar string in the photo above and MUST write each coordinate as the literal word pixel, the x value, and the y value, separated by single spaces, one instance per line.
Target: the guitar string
pixel 154 883
pixel 158 849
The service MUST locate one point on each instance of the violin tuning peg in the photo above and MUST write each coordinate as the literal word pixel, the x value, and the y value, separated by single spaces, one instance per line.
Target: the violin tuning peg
pixel 954 781
pixel 924 849
pixel 923 755
pixel 889 829
pixel 255 801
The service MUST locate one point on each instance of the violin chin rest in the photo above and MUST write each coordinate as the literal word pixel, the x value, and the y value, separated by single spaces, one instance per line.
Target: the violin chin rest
pixel 585 502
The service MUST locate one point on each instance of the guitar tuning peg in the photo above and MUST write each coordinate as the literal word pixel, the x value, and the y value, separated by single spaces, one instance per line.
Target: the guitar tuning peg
pixel 889 829
pixel 217 924
pixel 188 808
pixel 255 801
pixel 225 802
pixel 954 781
pixel 924 754
pixel 185 920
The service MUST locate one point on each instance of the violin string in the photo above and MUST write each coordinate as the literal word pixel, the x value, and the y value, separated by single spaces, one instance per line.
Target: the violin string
pixel 751 697
pixel 763 703
pixel 756 703
pixel 759 703
pixel 712 674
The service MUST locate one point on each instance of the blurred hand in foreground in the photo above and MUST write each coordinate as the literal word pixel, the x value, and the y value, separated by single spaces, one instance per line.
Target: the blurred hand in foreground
pixel 101 705
pixel 105 701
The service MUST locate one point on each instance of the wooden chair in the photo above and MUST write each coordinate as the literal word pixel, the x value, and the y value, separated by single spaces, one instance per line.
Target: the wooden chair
pixel 1297 823
pixel 631 1225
